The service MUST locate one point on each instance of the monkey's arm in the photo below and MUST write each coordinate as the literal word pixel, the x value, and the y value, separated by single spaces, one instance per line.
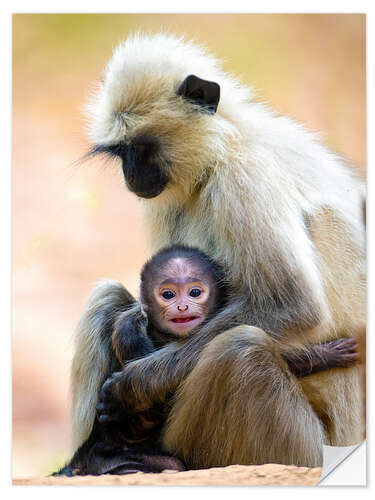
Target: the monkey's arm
pixel 339 353
pixel 94 359
pixel 150 380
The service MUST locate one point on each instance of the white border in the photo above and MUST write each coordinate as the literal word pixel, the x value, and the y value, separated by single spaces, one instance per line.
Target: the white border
pixel 233 6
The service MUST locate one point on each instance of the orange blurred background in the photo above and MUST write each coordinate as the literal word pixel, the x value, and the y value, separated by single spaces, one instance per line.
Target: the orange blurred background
pixel 74 224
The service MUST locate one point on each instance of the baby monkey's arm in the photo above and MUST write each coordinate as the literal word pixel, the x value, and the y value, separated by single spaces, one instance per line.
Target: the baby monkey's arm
pixel 339 353
pixel 119 393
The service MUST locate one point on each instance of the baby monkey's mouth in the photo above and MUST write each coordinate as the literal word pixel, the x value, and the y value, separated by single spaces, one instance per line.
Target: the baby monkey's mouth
pixel 187 319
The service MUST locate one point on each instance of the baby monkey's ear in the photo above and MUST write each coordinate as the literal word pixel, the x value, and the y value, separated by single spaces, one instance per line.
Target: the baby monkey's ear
pixel 202 92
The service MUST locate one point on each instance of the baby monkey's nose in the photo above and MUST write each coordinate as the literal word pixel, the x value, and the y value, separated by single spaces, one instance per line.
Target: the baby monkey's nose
pixel 182 309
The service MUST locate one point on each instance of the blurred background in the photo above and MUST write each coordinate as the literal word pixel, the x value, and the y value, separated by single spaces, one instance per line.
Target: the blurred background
pixel 74 224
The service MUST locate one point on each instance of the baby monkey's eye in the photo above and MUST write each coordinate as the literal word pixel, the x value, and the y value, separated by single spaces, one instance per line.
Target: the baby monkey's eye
pixel 168 295
pixel 195 292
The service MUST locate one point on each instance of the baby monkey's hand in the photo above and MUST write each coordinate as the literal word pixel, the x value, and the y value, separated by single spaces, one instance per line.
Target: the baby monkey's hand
pixel 342 353
pixel 122 396
pixel 339 353
pixel 109 408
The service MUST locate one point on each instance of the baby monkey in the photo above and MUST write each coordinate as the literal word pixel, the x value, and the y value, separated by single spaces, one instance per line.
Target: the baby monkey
pixel 181 289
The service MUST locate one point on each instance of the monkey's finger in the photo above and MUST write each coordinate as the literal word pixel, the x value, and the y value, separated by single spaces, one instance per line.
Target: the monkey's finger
pixel 116 376
pixel 101 407
pixel 352 341
pixel 347 351
pixel 352 356
pixel 106 387
pixel 105 409
pixel 105 393
pixel 350 359
pixel 107 415
pixel 106 418
pixel 347 343
pixel 105 401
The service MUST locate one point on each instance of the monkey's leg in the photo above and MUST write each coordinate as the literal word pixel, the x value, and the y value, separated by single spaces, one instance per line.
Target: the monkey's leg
pixel 79 463
pixel 94 359
pixel 337 397
pixel 241 405
pixel 105 453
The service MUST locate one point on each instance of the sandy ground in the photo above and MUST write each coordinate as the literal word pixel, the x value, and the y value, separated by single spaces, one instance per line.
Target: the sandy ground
pixel 234 475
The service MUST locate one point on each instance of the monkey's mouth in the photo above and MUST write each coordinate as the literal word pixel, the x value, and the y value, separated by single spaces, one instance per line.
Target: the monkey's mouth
pixel 184 320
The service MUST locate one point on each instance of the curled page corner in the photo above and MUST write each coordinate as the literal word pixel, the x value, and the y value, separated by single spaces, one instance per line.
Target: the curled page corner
pixel 344 465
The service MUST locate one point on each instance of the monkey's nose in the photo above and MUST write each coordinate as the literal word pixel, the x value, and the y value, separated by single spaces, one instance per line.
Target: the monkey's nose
pixel 181 309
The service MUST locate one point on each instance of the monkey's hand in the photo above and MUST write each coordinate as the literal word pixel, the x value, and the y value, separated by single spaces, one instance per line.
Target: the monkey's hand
pixel 108 407
pixel 341 353
pixel 122 395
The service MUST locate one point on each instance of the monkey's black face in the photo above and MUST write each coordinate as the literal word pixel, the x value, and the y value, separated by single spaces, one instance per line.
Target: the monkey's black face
pixel 143 174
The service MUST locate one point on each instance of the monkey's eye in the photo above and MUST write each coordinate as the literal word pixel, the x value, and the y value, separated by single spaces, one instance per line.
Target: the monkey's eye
pixel 168 295
pixel 195 292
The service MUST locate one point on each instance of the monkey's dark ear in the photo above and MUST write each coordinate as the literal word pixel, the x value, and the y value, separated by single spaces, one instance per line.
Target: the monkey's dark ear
pixel 202 92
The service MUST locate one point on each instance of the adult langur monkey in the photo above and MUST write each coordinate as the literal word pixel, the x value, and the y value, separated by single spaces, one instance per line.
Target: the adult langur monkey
pixel 283 216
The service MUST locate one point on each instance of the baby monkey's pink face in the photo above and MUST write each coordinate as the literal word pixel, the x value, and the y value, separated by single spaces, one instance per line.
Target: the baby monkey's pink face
pixel 183 297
